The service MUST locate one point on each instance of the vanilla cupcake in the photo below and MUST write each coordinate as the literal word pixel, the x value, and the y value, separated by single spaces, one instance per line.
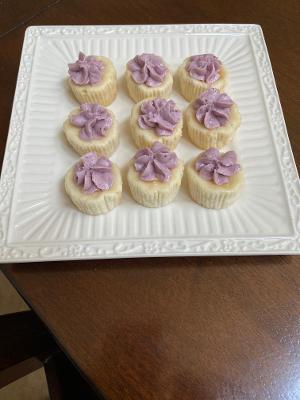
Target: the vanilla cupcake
pixel 156 120
pixel 200 72
pixel 93 79
pixel 94 184
pixel 147 75
pixel 215 180
pixel 92 128
pixel 154 176
pixel 212 119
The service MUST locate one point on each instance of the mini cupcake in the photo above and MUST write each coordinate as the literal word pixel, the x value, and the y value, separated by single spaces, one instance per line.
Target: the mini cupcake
pixel 93 79
pixel 215 179
pixel 156 120
pixel 94 184
pixel 147 75
pixel 199 73
pixel 92 128
pixel 154 176
pixel 212 119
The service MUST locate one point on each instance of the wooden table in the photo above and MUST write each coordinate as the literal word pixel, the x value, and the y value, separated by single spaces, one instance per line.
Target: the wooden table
pixel 181 328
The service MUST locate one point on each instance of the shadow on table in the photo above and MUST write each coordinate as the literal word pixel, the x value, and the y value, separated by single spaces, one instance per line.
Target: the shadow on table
pixel 150 263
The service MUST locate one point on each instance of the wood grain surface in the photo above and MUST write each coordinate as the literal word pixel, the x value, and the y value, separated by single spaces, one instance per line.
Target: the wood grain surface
pixel 174 328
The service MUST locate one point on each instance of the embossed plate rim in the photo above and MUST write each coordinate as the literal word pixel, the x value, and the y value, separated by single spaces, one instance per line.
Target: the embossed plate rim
pixel 161 246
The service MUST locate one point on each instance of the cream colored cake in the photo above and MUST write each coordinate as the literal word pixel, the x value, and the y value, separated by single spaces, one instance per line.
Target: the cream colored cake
pixel 203 137
pixel 147 75
pixel 154 176
pixel 210 195
pixel 103 146
pixel 139 92
pixel 190 87
pixel 156 193
pixel 104 92
pixel 146 137
pixel 99 202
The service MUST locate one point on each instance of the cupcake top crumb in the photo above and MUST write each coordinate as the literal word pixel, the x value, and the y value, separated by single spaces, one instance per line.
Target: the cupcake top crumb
pixel 155 163
pixel 148 69
pixel 214 166
pixel 93 173
pixel 213 108
pixel 87 70
pixel 204 67
pixel 158 114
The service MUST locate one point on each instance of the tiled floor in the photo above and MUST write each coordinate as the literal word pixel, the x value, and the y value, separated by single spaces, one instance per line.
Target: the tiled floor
pixel 33 386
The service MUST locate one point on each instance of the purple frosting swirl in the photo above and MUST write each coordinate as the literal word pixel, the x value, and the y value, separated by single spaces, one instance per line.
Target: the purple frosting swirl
pixel 204 67
pixel 93 173
pixel 148 69
pixel 159 114
pixel 216 167
pixel 94 121
pixel 155 163
pixel 86 70
pixel 213 108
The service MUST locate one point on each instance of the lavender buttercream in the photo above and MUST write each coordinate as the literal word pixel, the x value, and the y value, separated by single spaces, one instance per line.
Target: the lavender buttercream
pixel 155 163
pixel 94 121
pixel 86 70
pixel 213 108
pixel 148 69
pixel 93 173
pixel 159 114
pixel 204 67
pixel 211 165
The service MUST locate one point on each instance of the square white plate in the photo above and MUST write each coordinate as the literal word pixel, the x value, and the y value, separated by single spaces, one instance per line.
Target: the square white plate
pixel 38 221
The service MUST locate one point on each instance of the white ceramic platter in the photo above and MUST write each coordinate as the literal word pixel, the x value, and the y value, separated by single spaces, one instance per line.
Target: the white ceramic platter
pixel 37 220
